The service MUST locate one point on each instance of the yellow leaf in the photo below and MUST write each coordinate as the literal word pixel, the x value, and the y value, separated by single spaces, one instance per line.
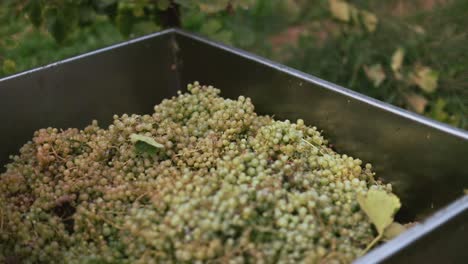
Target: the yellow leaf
pixel 340 10
pixel 416 102
pixel 393 230
pixel 375 73
pixel 380 207
pixel 425 78
pixel 465 191
pixel 418 29
pixel 397 60
pixel 370 20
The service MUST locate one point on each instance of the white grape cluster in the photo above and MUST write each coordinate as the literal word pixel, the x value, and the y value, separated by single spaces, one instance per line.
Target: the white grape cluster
pixel 228 186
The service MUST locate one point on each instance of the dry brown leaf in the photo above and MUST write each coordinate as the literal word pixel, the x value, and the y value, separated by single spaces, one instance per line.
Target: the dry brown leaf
pixel 370 20
pixel 416 102
pixel 375 73
pixel 397 60
pixel 340 10
pixel 425 78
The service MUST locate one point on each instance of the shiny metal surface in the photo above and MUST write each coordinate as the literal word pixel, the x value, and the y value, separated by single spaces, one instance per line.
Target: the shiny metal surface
pixel 425 160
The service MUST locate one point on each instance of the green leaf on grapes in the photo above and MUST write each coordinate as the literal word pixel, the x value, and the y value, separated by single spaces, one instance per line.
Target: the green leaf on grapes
pixel 393 230
pixel 145 144
pixel 380 207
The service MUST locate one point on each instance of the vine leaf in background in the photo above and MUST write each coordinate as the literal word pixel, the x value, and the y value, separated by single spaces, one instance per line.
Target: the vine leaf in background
pixel 397 61
pixel 416 102
pixel 375 73
pixel 345 12
pixel 370 20
pixel 340 10
pixel 425 78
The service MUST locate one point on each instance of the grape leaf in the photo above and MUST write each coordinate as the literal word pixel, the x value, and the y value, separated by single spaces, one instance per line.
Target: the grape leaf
pixel 380 207
pixel 416 102
pixel 397 60
pixel 145 144
pixel 425 78
pixel 340 10
pixel 163 4
pixel 393 230
pixel 375 73
pixel 370 20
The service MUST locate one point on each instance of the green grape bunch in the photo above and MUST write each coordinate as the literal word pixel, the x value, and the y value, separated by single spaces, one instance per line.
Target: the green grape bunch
pixel 202 179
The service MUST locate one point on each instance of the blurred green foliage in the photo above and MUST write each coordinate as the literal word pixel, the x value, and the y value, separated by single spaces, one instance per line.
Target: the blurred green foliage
pixel 413 54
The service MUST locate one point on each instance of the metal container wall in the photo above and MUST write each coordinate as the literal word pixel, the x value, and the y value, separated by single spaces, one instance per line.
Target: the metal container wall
pixel 425 160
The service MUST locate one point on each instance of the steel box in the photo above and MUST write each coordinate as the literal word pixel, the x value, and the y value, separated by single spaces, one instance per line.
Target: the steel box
pixel 424 159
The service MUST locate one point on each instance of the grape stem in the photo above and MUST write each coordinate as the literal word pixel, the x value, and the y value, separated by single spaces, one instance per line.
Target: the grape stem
pixel 371 244
pixel 56 155
pixel 312 145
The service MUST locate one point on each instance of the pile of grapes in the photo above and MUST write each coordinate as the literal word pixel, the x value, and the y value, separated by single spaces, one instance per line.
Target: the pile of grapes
pixel 202 179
